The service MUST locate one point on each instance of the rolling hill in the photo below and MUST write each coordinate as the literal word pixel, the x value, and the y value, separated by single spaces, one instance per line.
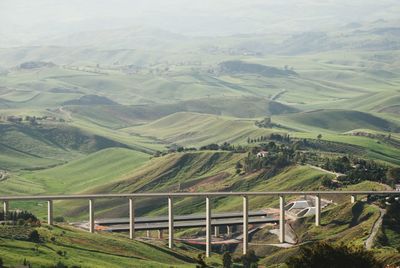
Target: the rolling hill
pixel 47 144
pixel 337 121
pixel 75 248
pixel 194 129
pixel 118 116
pixel 90 171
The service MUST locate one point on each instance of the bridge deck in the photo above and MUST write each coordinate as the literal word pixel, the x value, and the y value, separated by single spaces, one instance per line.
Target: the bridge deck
pixel 186 224
pixel 178 218
pixel 187 194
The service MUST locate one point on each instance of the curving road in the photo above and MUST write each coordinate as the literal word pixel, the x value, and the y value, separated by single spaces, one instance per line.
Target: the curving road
pixel 375 228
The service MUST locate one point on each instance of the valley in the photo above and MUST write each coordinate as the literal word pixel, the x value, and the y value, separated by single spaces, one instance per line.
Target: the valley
pixel 139 110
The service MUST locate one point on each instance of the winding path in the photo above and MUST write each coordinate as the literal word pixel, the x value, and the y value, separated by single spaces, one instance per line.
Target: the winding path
pixel 375 228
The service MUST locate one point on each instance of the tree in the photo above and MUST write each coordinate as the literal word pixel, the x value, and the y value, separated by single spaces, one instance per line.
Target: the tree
pixel 34 236
pixel 1 263
pixel 319 137
pixel 250 260
pixel 201 263
pixel 326 255
pixel 227 260
pixel 394 174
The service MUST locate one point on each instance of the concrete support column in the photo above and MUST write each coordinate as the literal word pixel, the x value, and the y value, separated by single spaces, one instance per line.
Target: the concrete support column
pixel 160 234
pixel 245 224
pixel 282 219
pixel 208 227
pixel 50 212
pixel 317 210
pixel 131 219
pixel 228 230
pixel 216 231
pixel 5 209
pixel 170 223
pixel 353 198
pixel 148 233
pixel 91 215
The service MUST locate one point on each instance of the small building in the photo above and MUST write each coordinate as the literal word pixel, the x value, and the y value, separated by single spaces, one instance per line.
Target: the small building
pixel 262 154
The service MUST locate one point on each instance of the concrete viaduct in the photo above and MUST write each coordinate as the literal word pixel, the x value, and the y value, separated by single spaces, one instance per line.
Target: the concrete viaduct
pixel 207 195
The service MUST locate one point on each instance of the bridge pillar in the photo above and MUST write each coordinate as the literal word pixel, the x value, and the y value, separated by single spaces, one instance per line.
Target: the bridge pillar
pixel 91 215
pixel 216 231
pixel 228 230
pixel 5 209
pixel 160 234
pixel 317 210
pixel 50 212
pixel 148 233
pixel 245 224
pixel 282 219
pixel 170 223
pixel 208 227
pixel 131 219
pixel 353 199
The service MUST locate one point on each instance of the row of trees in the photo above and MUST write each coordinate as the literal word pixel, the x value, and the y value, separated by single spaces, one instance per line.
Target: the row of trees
pixel 21 218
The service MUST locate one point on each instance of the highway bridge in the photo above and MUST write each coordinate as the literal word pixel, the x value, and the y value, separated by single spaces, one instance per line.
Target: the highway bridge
pixel 191 217
pixel 207 195
pixel 183 221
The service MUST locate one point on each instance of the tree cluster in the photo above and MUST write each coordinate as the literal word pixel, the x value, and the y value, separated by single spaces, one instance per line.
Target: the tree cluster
pixel 277 157
pixel 357 170
pixel 326 255
pixel 226 146
pixel 21 218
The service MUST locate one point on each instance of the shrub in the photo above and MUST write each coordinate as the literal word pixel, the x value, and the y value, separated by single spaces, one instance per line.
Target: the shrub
pixel 59 264
pixel 326 255
pixel 34 236
pixel 250 260
pixel 227 260
pixel 201 262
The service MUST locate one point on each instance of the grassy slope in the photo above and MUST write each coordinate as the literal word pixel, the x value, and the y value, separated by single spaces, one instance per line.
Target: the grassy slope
pixel 118 116
pixel 375 149
pixel 88 250
pixel 88 172
pixel 53 143
pixel 193 129
pixel 76 176
pixel 335 121
pixel 197 171
pixel 345 223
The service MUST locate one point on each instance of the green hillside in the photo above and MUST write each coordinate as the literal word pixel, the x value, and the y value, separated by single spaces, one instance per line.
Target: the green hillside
pixel 337 121
pixel 46 144
pixel 118 116
pixel 201 171
pixel 73 247
pixel 88 172
pixel 194 129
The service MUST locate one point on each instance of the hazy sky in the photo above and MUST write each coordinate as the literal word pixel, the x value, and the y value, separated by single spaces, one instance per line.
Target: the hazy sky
pixel 30 19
